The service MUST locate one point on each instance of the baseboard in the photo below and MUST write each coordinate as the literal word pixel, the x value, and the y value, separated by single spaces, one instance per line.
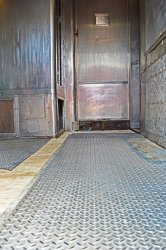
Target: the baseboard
pixel 104 125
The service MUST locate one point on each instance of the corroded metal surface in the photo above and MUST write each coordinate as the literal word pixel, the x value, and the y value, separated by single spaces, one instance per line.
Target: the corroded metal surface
pixel 60 92
pixel 153 61
pixel 35 115
pixel 25 64
pixel 102 51
pixel 102 60
pixel 103 125
pixel 148 150
pixel 96 101
pixel 134 92
pixel 142 35
pixel 96 193
pixel 155 20
pixel 68 27
pixel 25 44
pixel 155 126
pixel 13 152
pixel 143 102
pixel 6 116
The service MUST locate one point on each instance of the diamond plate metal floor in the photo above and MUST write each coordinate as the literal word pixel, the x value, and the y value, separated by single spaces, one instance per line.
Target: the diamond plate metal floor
pixel 13 152
pixel 95 193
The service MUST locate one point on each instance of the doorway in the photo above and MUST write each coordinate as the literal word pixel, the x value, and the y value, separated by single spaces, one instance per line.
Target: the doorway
pixel 60 115
pixel 101 60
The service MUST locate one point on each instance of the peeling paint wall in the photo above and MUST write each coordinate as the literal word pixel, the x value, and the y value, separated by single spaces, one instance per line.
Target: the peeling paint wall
pixel 153 70
pixel 25 64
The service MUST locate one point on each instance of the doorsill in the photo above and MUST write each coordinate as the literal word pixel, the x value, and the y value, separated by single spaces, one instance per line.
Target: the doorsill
pixel 104 125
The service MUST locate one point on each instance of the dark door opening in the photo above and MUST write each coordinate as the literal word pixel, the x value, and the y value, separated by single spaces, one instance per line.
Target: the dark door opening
pixel 60 115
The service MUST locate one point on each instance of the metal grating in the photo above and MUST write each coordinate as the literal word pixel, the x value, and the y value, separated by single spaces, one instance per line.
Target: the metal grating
pixel 95 193
pixel 13 152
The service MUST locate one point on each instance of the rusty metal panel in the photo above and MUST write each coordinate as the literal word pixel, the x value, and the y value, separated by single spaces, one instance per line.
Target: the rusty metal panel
pixel 33 107
pixel 102 60
pixel 98 101
pixel 153 61
pixel 60 92
pixel 25 44
pixel 142 35
pixel 68 50
pixel 155 20
pixel 35 115
pixel 134 67
pixel 155 115
pixel 104 125
pixel 102 51
pixel 143 102
pixel 25 64
pixel 6 116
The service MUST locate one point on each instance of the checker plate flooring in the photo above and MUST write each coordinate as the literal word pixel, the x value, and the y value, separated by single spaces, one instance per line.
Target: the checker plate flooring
pixel 95 193
pixel 14 151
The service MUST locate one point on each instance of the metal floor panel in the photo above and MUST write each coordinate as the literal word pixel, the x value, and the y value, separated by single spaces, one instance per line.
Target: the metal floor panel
pixel 13 152
pixel 95 193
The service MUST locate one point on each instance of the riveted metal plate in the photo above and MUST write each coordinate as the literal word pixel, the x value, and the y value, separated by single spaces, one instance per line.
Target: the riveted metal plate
pixel 13 152
pixel 95 193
